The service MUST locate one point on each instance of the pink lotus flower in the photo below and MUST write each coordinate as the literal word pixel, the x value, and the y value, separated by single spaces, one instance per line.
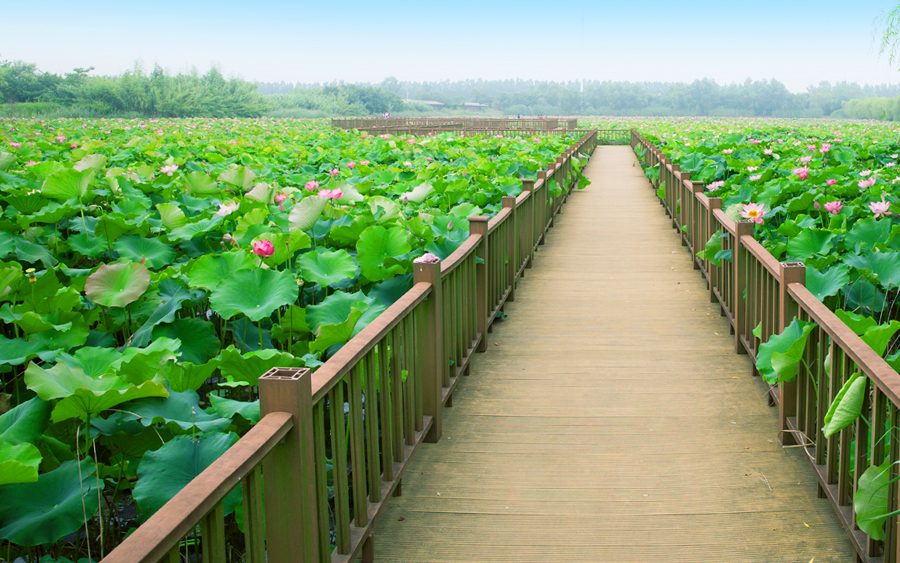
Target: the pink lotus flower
pixel 865 173
pixel 427 258
pixel 335 172
pixel 15 145
pixel 167 170
pixel 330 194
pixel 755 177
pixel 805 159
pixel 450 226
pixel 407 163
pixel 227 208
pixel 802 173
pixel 754 212
pixel 30 163
pixel 831 182
pixel 73 146
pixel 61 138
pixel 834 207
pixel 351 165
pixel 364 163
pixel 880 208
pixel 754 141
pixel 752 168
pixel 728 151
pixel 427 159
pixel 863 184
pixel 767 151
pixel 312 185
pixel 811 148
pixel 263 248
pixel 825 148
pixel 715 185
pixel 280 196
pixel 410 142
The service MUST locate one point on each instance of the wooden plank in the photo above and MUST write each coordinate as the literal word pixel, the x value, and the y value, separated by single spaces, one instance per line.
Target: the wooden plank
pixel 610 419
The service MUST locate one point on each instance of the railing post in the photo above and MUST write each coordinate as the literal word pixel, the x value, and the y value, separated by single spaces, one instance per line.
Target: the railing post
pixel 551 169
pixel 696 236
pixel 512 265
pixel 541 206
pixel 434 359
pixel 741 229
pixel 663 172
pixel 672 194
pixel 478 225
pixel 791 272
pixel 528 221
pixel 290 469
pixel 714 204
pixel 684 214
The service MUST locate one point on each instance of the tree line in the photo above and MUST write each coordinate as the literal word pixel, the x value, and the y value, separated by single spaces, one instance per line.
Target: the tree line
pixel 25 91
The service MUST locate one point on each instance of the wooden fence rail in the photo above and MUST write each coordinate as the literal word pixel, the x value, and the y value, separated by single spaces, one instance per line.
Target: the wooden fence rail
pixel 332 445
pixel 755 290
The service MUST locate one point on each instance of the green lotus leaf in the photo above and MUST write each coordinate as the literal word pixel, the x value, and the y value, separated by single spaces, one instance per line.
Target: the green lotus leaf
pixel 285 245
pixel 254 293
pixel 194 228
pixel 389 209
pixel 862 295
pixel 199 342
pixel 810 242
pixel 240 178
pixel 346 231
pixel 389 291
pixel 868 232
pixel 778 359
pixel 91 162
pixel 227 408
pixel 325 267
pixel 172 294
pixel 83 396
pixel 30 252
pixel 250 366
pixel 6 160
pixel 208 271
pixel 828 282
pixel 171 215
pixel 870 501
pixel 376 247
pixel 87 245
pixel 188 377
pixel 306 212
pixel 886 265
pixel 164 472
pixel 198 183
pixel 142 364
pixel 419 194
pixel 93 360
pixel 55 342
pixel 335 308
pixel 117 285
pixel 150 251
pixel 68 184
pixel 847 406
pixel 52 507
pixel 180 412
pixel 340 333
pixel 18 463
pixel 25 422
pixel 262 192
pixel 16 351
pixel 880 336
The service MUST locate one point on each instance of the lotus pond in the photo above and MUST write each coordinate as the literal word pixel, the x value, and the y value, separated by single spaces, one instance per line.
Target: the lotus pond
pixel 153 270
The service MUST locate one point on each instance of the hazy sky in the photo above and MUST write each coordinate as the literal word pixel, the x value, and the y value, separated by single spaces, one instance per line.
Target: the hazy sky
pixel 797 42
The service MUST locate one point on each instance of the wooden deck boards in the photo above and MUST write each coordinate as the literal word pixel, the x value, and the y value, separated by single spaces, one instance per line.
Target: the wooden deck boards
pixel 610 419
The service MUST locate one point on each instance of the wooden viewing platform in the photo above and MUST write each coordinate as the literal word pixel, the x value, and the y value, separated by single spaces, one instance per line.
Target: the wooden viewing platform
pixel 610 419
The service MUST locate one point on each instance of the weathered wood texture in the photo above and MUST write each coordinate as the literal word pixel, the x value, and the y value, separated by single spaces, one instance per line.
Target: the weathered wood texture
pixel 610 419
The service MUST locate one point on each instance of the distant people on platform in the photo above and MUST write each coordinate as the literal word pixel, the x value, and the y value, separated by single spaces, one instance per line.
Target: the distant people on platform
pixel 386 115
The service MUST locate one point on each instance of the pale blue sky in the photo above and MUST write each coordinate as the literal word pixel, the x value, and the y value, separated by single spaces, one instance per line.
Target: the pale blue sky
pixel 796 42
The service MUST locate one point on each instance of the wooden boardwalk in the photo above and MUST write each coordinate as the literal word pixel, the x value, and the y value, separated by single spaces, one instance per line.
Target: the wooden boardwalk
pixel 610 419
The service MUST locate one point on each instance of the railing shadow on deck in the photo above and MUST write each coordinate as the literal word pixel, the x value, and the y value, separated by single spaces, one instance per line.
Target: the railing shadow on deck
pixel 756 290
pixel 405 364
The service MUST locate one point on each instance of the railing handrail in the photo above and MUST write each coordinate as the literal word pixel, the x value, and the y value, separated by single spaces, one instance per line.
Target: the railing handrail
pixel 456 258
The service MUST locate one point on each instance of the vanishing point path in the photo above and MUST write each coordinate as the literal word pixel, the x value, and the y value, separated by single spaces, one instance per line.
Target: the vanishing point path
pixel 610 419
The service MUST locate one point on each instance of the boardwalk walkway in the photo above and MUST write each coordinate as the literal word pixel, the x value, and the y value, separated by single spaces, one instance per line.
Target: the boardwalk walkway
pixel 610 420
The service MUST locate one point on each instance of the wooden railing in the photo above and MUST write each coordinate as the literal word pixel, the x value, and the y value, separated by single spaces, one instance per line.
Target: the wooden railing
pixel 412 125
pixel 371 404
pixel 755 290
